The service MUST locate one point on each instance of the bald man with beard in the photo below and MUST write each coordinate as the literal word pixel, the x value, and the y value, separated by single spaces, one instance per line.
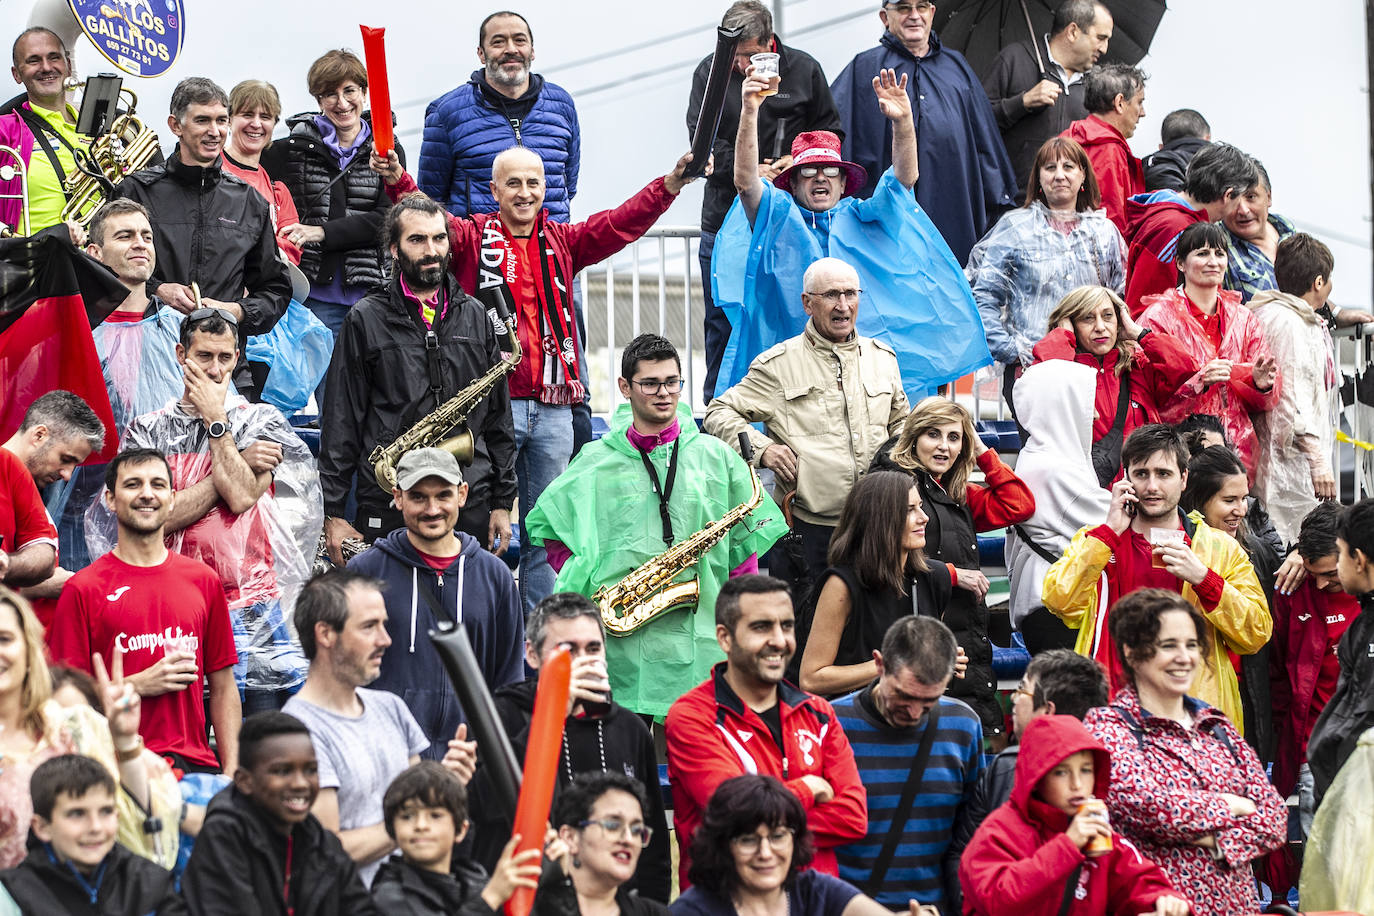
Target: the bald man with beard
pixel 521 252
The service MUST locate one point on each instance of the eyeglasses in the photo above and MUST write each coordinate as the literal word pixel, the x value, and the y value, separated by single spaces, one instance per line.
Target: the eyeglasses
pixel 750 843
pixel 1023 690
pixel 614 826
pixel 904 9
pixel 348 94
pixel 835 295
pixel 203 313
pixel 830 171
pixel 654 386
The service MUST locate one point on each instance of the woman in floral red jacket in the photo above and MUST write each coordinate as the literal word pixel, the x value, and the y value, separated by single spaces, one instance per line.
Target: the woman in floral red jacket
pixel 1185 787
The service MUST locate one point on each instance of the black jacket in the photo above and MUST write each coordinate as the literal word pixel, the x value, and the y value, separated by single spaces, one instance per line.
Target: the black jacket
pixel 351 209
pixel 211 228
pixel 1167 166
pixel 400 889
pixel 803 103
pixel 1024 130
pixel 237 867
pixel 379 386
pixel 125 885
pixel 951 538
pixel 992 790
pixel 556 896
pixel 1350 712
pixel 621 742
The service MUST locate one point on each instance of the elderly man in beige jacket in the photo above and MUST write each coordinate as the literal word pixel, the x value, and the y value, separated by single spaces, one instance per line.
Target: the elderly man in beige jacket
pixel 828 399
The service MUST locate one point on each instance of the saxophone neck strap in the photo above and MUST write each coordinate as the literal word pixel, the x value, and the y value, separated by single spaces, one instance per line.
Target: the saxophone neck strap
pixel 665 493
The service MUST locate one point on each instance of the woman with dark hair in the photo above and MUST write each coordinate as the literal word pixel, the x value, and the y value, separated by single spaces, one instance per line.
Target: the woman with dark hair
pixel 1238 376
pixel 1185 788
pixel 600 819
pixel 1091 325
pixel 341 202
pixel 1217 489
pixel 749 858
pixel 877 574
pixel 1057 240
pixel 940 448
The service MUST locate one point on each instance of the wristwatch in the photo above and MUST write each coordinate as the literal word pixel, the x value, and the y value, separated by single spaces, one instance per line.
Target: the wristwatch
pixel 216 429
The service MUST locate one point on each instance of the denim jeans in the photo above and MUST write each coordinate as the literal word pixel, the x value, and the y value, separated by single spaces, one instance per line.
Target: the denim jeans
pixel 270 662
pixel 543 445
pixel 331 314
pixel 717 327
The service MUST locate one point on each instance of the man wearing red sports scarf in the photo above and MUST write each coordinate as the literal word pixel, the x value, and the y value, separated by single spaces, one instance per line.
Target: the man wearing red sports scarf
pixel 520 251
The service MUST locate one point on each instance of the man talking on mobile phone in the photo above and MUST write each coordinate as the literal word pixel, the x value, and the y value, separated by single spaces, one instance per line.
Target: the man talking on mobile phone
pixel 1146 542
pixel 600 735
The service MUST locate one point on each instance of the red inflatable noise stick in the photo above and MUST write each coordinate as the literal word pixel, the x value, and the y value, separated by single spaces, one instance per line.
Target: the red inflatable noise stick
pixel 541 764
pixel 378 90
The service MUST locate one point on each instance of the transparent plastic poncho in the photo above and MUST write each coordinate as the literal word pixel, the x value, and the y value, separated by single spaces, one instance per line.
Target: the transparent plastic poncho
pixel 1022 268
pixel 1335 871
pixel 263 556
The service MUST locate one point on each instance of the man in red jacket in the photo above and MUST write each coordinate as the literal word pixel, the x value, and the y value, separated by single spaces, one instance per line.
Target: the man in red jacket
pixel 1114 95
pixel 1218 178
pixel 746 719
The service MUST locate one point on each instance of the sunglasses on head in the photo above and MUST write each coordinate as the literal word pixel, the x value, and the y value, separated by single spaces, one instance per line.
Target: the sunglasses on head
pixel 203 313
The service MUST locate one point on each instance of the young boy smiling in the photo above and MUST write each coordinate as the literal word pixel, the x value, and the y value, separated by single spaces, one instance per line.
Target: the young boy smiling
pixel 425 811
pixel 261 850
pixel 73 865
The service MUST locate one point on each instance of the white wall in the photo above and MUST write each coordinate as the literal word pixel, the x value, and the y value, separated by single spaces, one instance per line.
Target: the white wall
pixel 1284 82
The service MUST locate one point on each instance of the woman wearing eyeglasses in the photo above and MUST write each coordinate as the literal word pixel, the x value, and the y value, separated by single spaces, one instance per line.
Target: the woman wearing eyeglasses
pixel 600 818
pixel 748 857
pixel 341 202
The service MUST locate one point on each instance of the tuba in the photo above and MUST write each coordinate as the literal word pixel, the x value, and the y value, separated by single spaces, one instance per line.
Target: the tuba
pixel 432 430
pixel 12 167
pixel 127 146
pixel 650 590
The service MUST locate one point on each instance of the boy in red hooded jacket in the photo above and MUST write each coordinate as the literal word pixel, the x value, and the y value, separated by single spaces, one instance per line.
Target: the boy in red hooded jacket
pixel 1030 856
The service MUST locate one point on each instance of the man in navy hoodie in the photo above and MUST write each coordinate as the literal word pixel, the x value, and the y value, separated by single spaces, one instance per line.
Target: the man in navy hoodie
pixel 434 572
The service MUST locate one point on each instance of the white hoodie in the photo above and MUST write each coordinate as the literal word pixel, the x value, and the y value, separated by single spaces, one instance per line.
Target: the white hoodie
pixel 1054 403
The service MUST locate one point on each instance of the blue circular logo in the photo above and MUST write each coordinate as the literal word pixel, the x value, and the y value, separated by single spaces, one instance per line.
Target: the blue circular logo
pixel 131 34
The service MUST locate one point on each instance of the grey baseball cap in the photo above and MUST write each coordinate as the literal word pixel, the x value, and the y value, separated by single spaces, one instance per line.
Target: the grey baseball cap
pixel 416 465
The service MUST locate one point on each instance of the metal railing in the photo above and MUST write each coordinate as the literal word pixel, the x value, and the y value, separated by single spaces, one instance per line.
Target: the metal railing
pixel 1355 356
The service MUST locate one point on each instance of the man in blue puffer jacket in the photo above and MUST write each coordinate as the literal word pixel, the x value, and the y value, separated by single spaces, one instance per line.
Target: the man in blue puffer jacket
pixel 502 104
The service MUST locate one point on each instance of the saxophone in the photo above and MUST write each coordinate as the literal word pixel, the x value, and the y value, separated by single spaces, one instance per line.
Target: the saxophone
pixel 650 590
pixel 350 548
pixel 127 146
pixel 431 429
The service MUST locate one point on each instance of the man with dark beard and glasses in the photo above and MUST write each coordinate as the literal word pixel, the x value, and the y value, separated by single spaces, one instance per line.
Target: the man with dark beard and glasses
pixel 402 352
pixel 363 738
pixel 168 615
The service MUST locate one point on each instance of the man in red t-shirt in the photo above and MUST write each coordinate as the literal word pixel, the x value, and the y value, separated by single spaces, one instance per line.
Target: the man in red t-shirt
pixel 28 540
pixel 58 432
pixel 1304 669
pixel 167 614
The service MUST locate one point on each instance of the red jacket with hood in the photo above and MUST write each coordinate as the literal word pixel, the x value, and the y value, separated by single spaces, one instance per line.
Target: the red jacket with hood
pixel 1153 223
pixel 1021 860
pixel 1159 369
pixel 1118 171
pixel 713 736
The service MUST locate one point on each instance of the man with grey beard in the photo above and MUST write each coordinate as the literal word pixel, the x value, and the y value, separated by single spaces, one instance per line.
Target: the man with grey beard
pixel 501 105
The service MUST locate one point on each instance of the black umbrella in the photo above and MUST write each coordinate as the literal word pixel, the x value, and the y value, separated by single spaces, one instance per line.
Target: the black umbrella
pixel 979 29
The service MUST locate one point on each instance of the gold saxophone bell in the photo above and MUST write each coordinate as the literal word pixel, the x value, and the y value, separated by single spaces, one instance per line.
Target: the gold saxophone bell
pixel 12 166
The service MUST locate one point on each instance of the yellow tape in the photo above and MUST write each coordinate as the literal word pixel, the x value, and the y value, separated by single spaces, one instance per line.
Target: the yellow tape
pixel 1342 436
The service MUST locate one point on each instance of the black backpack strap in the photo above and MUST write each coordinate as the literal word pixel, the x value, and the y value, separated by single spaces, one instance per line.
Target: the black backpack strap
pixel 41 131
pixel 1137 728
pixel 1070 886
pixel 1106 452
pixel 1040 550
pixel 903 810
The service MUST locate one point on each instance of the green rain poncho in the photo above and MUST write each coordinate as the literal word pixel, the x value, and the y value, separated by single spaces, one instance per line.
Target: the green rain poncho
pixel 604 509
